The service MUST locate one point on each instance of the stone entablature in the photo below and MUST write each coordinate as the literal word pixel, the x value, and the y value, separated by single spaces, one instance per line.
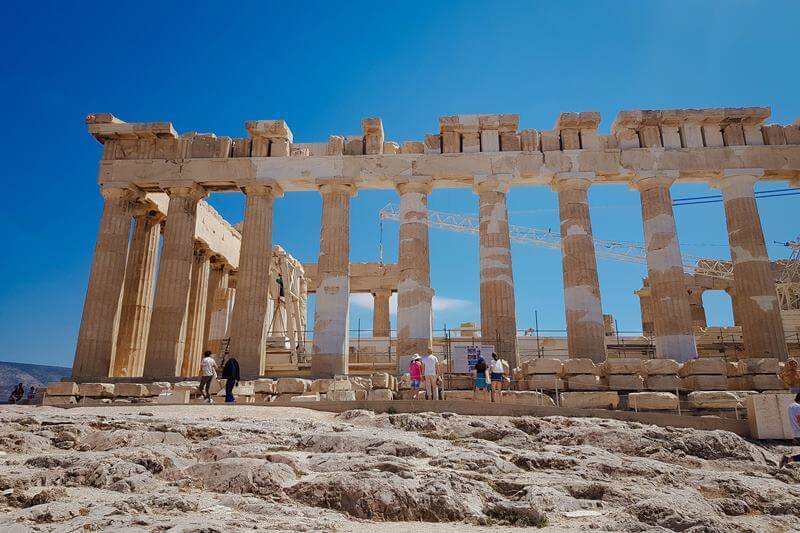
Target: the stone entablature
pixel 364 277
pixel 706 142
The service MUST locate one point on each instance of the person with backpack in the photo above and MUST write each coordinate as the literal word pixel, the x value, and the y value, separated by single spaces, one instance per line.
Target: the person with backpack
pixel 230 373
pixel 497 373
pixel 479 379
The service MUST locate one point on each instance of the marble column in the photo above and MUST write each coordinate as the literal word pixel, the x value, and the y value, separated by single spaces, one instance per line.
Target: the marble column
pixel 97 333
pixel 137 295
pixel 247 342
pixel 697 308
pixel 672 317
pixel 498 309
pixel 646 309
pixel 165 344
pixel 332 309
pixel 217 280
pixel 585 329
pixel 196 313
pixel 754 282
pixel 414 293
pixel 380 313
pixel 736 310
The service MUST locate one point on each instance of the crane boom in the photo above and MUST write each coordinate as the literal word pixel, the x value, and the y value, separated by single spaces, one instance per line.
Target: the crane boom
pixel 614 250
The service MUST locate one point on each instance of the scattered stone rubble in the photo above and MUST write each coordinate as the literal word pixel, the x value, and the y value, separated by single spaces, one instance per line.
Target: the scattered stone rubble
pixel 187 468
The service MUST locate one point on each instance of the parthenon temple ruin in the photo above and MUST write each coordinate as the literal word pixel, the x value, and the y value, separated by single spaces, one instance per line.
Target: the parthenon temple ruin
pixel 151 313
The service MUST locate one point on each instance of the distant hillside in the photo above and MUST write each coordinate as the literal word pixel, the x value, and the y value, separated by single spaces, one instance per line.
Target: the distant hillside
pixel 36 375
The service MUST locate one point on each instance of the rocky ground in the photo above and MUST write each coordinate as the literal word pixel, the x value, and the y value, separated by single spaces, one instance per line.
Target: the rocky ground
pixel 226 468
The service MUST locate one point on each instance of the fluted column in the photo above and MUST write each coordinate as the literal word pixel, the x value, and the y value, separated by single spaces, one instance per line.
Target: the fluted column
pixel 585 329
pixel 165 344
pixel 196 312
pixel 97 333
pixel 646 310
pixel 414 293
pixel 380 313
pixel 137 295
pixel 217 279
pixel 332 309
pixel 221 311
pixel 697 308
pixel 498 309
pixel 736 310
pixel 762 329
pixel 252 297
pixel 672 317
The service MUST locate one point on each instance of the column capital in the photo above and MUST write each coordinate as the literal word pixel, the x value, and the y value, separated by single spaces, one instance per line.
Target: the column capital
pixel 645 180
pixel 266 189
pixel 148 210
pixel 743 177
pixel 327 187
pixel 419 185
pixel 572 180
pixel 381 292
pixel 190 189
pixel 500 183
pixel 126 191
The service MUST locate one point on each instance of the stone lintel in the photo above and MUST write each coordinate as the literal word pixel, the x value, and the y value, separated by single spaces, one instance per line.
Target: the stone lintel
pixel 673 117
pixel 105 126
pixel 572 180
pixel 645 180
pixel 269 129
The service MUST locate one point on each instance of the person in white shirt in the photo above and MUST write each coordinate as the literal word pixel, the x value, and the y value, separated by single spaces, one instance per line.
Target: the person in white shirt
pixel 430 374
pixel 497 373
pixel 208 371
pixel 794 421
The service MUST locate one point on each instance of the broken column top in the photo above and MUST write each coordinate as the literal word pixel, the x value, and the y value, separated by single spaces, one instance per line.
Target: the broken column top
pixel 475 123
pixel 716 115
pixel 372 125
pixel 269 129
pixel 105 126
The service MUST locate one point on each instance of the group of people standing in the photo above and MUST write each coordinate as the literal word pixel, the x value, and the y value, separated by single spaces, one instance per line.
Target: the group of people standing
pixel 208 372
pixel 488 377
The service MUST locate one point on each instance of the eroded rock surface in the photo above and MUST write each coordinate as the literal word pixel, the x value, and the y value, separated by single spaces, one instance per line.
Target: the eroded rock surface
pixel 223 468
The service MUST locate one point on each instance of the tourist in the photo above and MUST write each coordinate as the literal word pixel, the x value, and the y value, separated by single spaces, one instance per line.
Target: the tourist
pixel 32 393
pixel 415 373
pixel 497 374
pixel 794 422
pixel 230 373
pixel 17 394
pixel 479 379
pixel 430 374
pixel 208 371
pixel 790 375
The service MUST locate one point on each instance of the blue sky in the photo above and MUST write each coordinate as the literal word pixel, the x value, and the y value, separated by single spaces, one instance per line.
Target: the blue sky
pixel 322 66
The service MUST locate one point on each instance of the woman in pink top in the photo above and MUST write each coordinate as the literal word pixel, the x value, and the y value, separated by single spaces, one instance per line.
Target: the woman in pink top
pixel 415 371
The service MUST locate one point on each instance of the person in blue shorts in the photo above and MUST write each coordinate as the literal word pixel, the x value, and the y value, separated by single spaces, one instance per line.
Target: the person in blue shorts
pixel 480 383
pixel 497 372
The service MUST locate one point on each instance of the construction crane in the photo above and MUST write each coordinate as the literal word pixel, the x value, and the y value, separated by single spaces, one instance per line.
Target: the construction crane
pixel 615 250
